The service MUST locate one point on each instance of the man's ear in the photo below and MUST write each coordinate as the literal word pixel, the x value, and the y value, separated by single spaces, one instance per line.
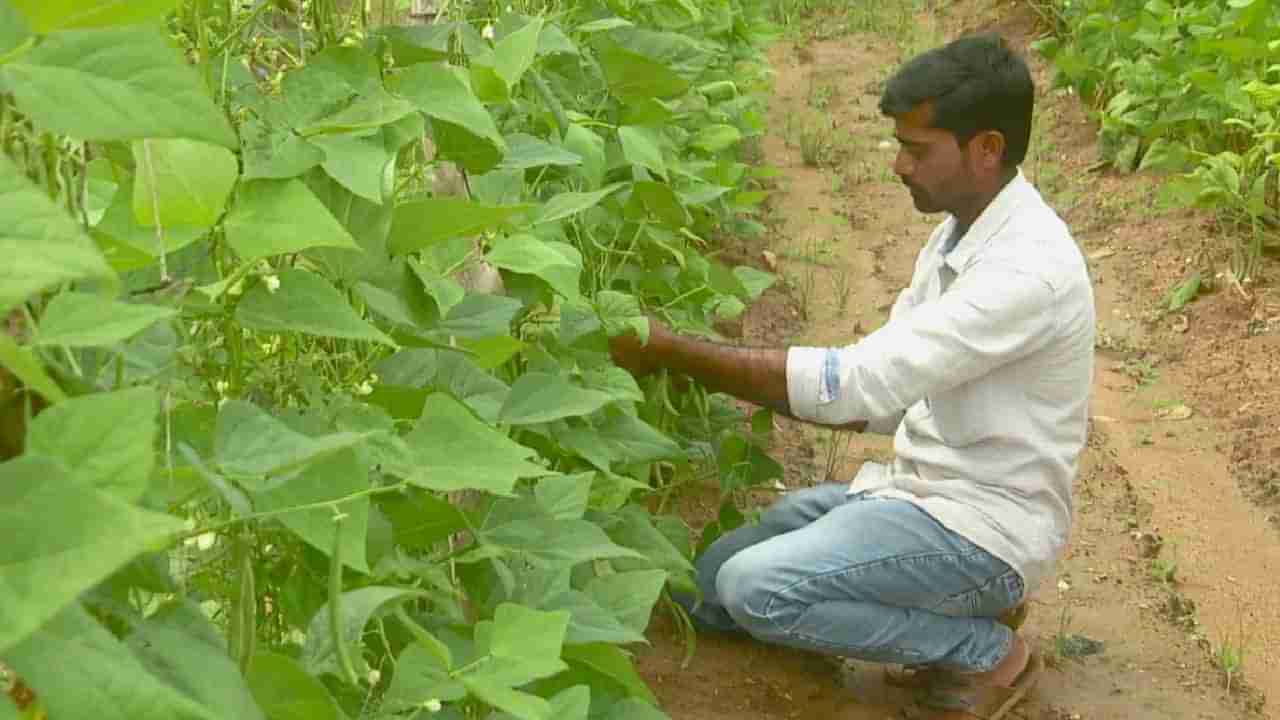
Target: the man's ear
pixel 988 150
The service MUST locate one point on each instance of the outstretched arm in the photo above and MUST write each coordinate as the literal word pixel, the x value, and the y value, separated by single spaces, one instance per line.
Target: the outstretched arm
pixel 757 375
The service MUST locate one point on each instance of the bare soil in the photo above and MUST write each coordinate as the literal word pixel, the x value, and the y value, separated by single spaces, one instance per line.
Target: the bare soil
pixel 1175 553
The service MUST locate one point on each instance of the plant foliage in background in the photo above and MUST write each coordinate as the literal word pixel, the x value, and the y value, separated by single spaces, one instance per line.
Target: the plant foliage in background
pixel 279 453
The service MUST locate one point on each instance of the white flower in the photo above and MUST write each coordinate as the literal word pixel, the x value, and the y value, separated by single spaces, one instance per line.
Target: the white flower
pixel 221 387
pixel 364 388
pixel 487 32
pixel 272 282
pixel 374 677
pixel 432 706
pixel 206 541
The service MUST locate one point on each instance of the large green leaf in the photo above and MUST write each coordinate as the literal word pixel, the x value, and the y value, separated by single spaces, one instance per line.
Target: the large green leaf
pixel 559 264
pixel 421 519
pixel 539 397
pixel 135 81
pixel 481 316
pixel 420 677
pixel 325 480
pixel 555 542
pixel 127 245
pixel 106 439
pixel 423 223
pixel 571 203
pixel 518 704
pixel 190 181
pixel 306 303
pixel 320 652
pixel 41 571
pixel 452 372
pixel 358 163
pixel 630 596
pixel 82 671
pixel 590 147
pixel 522 633
pixel 369 111
pixel 285 691
pixel 514 54
pixel 276 154
pixel 634 709
pixel 451 449
pixel 46 16
pixel 369 224
pixel 272 217
pixel 589 622
pixel 634 77
pixel 26 366
pixel 643 146
pixel 526 151
pixel 179 645
pixel 41 245
pixel 464 131
pixel 248 441
pixel 14 30
pixel 611 662
pixel 714 138
pixel 564 496
pixel 621 437
pixel 82 320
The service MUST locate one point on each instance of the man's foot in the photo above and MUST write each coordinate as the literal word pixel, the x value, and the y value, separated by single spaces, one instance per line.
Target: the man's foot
pixel 981 696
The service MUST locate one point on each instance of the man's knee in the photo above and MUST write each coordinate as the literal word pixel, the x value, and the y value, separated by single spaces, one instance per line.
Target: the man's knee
pixel 746 590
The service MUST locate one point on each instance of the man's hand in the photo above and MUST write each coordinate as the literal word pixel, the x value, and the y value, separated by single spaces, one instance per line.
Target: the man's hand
pixel 640 360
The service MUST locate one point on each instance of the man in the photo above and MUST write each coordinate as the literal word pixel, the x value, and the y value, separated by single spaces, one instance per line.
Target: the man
pixel 981 374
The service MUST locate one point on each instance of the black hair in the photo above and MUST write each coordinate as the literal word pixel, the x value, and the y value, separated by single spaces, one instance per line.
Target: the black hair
pixel 976 83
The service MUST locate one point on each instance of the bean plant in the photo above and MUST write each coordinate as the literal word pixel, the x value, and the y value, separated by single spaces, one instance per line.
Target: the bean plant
pixel 271 449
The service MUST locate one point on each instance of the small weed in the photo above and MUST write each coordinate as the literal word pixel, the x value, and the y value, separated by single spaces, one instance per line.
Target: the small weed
pixel 815 145
pixel 1230 660
pixel 843 288
pixel 820 95
pixel 1165 570
pixel 837 445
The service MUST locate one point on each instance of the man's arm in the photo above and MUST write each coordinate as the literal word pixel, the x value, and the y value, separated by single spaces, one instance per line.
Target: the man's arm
pixel 757 375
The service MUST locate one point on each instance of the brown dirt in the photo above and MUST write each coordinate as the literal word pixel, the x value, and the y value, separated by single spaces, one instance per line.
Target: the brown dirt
pixel 1198 494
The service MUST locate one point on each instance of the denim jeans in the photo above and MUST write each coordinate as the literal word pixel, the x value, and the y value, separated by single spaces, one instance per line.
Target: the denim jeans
pixel 860 577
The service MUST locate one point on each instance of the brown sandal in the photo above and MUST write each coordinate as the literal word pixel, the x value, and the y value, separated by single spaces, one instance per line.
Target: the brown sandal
pixel 989 703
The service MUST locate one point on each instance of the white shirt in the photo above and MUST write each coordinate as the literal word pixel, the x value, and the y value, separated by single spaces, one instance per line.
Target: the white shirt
pixel 982 374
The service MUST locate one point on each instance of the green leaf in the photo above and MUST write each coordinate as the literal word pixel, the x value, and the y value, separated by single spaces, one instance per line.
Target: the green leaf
pixel 629 595
pixel 306 303
pixel 538 397
pixel 275 154
pixel 423 223
pixel 612 663
pixel 522 633
pixel 623 438
pixel 643 146
pixel 464 131
pixel 107 440
pixel 47 16
pixel 714 138
pixel 620 313
pixel 632 527
pixel 634 709
pixel 82 671
pixel 571 203
pixel 590 622
pixel 273 217
pixel 527 151
pixel 452 372
pixel 519 704
pixel 82 320
pixel 1184 292
pixel 754 281
pixel 26 366
pixel 420 677
pixel 451 449
pixel 326 480
pixel 514 54
pixel 14 31
pixel 559 264
pixel 659 201
pixel 319 653
pixel 420 520
pixel 190 181
pixel 285 691
pixel 43 571
pixel 590 147
pixel 250 442
pixel 140 86
pixel 358 163
pixel 179 645
pixel 369 111
pixel 127 245
pixel 41 244
pixel 553 542
pixel 481 316
pixel 564 497
pixel 634 77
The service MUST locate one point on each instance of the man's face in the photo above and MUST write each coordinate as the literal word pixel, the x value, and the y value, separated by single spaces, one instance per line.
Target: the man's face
pixel 931 163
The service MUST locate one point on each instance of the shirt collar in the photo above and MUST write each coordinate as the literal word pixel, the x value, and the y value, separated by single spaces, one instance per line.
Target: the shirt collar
pixel 992 219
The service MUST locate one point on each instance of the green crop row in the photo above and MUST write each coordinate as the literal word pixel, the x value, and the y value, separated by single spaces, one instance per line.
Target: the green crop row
pixel 307 407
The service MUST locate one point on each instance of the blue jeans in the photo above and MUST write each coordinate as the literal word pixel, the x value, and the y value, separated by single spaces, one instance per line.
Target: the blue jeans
pixel 859 577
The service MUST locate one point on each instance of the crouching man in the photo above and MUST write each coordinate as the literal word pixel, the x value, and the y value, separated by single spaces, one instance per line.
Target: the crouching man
pixel 981 375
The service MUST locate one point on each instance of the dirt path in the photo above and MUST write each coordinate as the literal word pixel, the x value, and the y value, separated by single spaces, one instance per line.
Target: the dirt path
pixel 1170 560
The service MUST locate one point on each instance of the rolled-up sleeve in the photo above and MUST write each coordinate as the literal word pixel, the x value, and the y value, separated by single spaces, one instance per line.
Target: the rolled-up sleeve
pixel 992 315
